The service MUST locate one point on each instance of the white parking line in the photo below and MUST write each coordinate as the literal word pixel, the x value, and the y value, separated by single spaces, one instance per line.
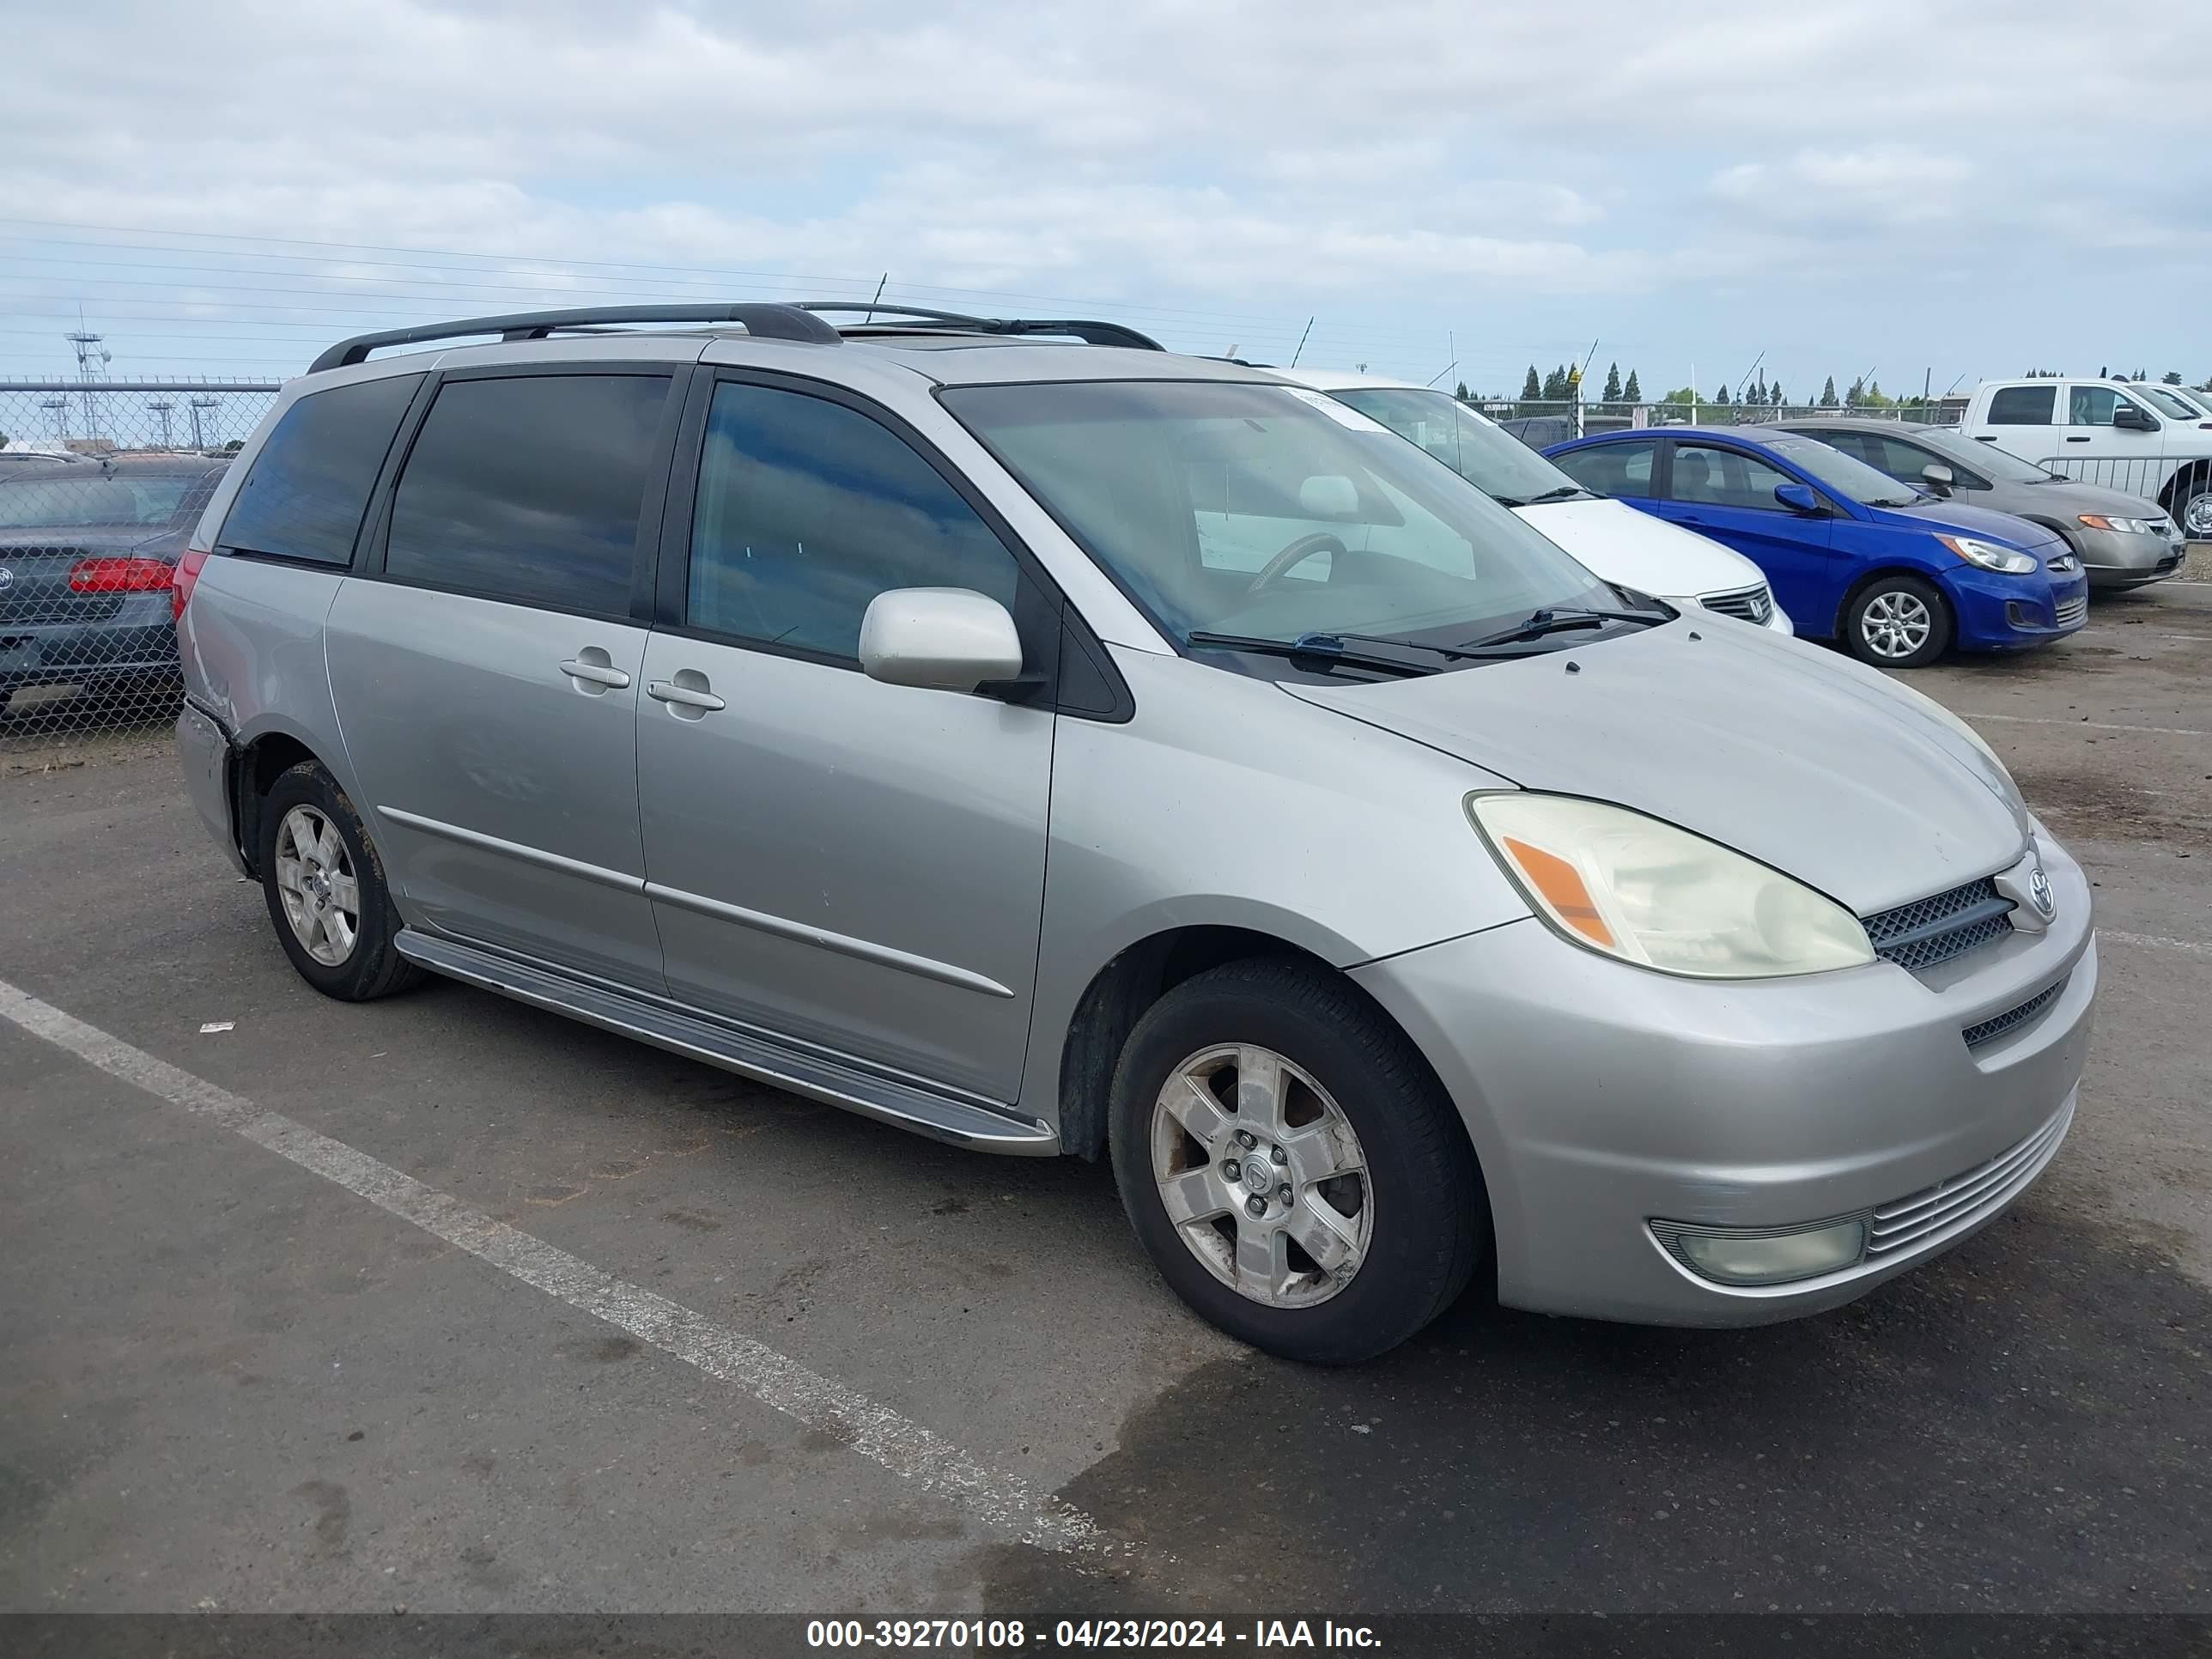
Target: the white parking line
pixel 1001 1501
pixel 2151 941
pixel 2094 726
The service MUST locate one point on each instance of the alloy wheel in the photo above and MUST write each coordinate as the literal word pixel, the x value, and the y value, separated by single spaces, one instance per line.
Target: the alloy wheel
pixel 316 881
pixel 1263 1176
pixel 1896 624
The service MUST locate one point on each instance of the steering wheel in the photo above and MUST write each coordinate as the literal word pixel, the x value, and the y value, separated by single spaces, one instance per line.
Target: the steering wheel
pixel 1321 541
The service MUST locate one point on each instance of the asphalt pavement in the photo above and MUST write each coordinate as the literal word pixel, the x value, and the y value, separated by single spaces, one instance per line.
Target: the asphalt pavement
pixel 441 1302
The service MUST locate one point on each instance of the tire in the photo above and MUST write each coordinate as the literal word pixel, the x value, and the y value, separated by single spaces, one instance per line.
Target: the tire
pixel 1897 621
pixel 302 803
pixel 2192 508
pixel 1413 1222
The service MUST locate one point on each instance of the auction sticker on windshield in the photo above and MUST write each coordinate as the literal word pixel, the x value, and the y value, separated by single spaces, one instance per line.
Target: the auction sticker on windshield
pixel 1342 414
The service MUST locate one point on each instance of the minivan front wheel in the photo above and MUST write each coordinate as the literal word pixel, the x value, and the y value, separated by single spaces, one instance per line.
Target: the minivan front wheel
pixel 325 890
pixel 1290 1164
pixel 1899 621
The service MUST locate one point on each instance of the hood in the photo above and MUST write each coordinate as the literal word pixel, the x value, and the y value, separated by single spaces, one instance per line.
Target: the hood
pixel 1960 519
pixel 1803 759
pixel 1617 542
pixel 2064 501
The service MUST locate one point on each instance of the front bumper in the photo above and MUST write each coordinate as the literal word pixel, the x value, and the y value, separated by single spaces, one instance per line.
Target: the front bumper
pixel 1998 612
pixel 2116 561
pixel 1600 1097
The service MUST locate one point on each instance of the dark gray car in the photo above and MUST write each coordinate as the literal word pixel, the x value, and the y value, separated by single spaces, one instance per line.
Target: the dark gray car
pixel 2123 541
pixel 87 547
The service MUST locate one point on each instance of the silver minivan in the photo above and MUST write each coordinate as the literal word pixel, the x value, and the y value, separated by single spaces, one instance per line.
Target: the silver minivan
pixel 1048 743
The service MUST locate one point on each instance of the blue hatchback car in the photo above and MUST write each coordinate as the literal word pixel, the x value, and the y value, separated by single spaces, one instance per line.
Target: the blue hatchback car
pixel 1850 553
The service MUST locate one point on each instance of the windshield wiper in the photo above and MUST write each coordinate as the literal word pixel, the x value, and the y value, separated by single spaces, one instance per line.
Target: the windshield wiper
pixel 1324 652
pixel 1563 493
pixel 1538 623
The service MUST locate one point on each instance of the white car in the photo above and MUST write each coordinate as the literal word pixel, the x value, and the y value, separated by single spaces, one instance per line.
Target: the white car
pixel 2136 436
pixel 1610 539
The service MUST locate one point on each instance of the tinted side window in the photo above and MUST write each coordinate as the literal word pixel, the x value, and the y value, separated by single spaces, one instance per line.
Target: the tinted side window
pixel 2023 405
pixel 1623 469
pixel 1724 478
pixel 808 509
pixel 310 485
pixel 2091 405
pixel 529 489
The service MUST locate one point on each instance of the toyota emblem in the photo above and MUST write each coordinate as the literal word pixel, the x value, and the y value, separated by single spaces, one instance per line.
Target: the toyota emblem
pixel 2039 893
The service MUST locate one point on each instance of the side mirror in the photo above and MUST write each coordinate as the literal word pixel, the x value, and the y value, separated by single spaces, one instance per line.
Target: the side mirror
pixel 948 639
pixel 1938 477
pixel 2134 419
pixel 1799 498
pixel 1329 495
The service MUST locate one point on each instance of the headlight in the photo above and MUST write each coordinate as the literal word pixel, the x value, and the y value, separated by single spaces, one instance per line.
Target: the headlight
pixel 1990 556
pixel 2125 526
pixel 1616 882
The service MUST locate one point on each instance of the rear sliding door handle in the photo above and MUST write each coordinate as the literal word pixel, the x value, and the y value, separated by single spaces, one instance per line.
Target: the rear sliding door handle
pixel 594 673
pixel 683 696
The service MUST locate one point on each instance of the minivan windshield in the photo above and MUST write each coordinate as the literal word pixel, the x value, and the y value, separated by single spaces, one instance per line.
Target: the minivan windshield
pixel 1495 462
pixel 1848 476
pixel 1272 511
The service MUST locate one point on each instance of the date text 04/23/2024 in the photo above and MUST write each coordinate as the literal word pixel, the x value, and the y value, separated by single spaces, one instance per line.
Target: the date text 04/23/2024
pixel 1008 1635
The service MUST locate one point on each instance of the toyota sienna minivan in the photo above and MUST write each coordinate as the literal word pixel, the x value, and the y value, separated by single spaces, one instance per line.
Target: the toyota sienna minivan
pixel 1029 738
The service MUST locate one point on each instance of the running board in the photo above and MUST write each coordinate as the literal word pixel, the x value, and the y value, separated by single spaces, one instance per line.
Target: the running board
pixel 904 1105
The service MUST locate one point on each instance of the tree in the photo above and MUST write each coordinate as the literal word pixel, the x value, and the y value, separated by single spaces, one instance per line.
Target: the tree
pixel 1613 383
pixel 1828 394
pixel 2172 377
pixel 1721 396
pixel 1461 393
pixel 1681 396
pixel 1555 385
pixel 1774 395
pixel 1632 392
pixel 1856 395
pixel 1529 388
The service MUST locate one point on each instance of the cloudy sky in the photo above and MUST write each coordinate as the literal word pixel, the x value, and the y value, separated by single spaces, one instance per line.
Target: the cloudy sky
pixel 1955 187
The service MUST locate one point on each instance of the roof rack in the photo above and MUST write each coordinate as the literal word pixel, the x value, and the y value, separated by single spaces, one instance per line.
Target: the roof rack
pixel 914 318
pixel 767 321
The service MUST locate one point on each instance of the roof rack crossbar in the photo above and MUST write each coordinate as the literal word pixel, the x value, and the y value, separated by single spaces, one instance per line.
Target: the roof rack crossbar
pixel 767 320
pixel 1089 331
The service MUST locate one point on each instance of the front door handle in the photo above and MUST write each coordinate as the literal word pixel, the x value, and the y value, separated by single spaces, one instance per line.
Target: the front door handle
pixel 683 696
pixel 593 666
pixel 2071 440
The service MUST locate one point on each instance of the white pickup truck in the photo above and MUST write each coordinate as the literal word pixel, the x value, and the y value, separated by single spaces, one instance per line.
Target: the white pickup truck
pixel 2133 435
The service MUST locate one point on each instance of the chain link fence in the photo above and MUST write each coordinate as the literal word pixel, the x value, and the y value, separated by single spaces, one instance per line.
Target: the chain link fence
pixel 100 485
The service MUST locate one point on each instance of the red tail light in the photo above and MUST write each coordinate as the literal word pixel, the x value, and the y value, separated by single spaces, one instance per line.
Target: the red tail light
pixel 180 583
pixel 118 575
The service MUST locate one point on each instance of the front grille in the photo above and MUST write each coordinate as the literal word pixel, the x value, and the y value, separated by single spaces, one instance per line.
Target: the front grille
pixel 2011 1020
pixel 2073 610
pixel 1931 930
pixel 1750 605
pixel 1986 1187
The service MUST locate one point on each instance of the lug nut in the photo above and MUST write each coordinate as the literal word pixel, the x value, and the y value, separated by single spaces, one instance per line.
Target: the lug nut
pixel 1233 1170
pixel 1245 1137
pixel 1255 1206
pixel 1284 1192
pixel 1279 1155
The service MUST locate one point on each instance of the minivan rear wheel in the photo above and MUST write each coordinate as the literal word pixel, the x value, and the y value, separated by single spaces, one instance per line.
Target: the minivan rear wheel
pixel 1899 621
pixel 1290 1164
pixel 326 891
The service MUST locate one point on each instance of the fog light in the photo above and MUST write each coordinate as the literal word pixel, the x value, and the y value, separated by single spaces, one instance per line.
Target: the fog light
pixel 1763 1255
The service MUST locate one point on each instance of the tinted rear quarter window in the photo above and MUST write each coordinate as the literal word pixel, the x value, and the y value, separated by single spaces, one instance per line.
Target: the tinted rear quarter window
pixel 2023 405
pixel 309 486
pixel 529 488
